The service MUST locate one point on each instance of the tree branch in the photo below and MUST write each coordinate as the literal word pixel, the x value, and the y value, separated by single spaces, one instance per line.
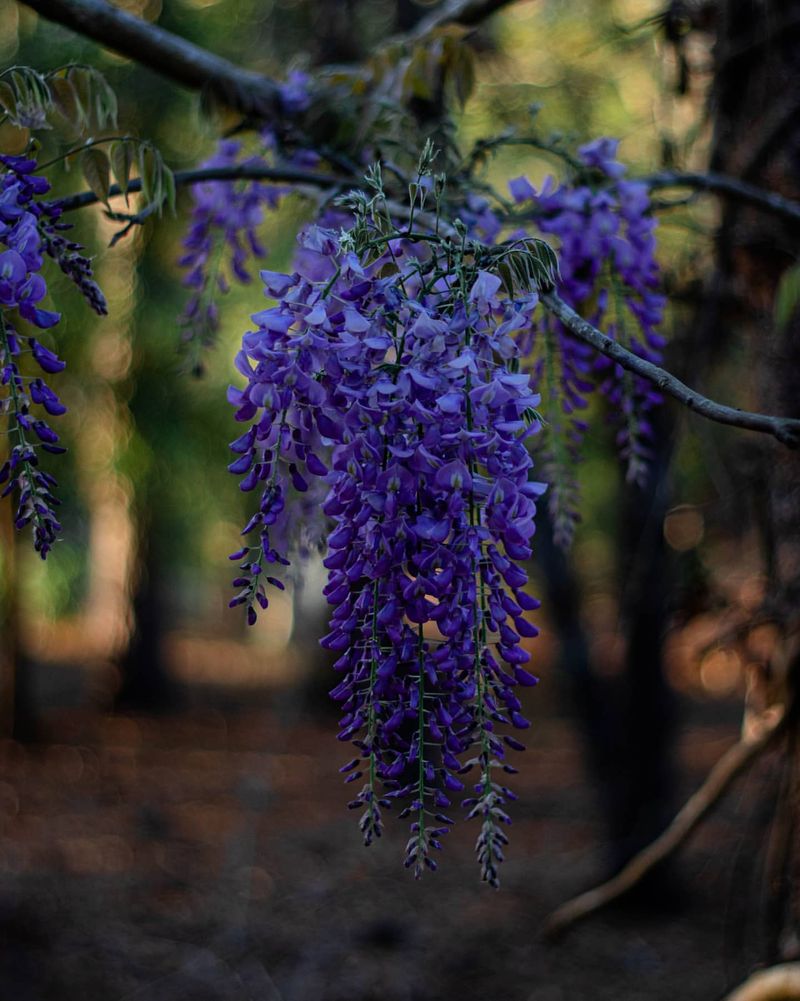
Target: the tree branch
pixel 239 172
pixel 252 93
pixel 167 54
pixel 727 769
pixel 197 68
pixel 732 187
pixel 785 429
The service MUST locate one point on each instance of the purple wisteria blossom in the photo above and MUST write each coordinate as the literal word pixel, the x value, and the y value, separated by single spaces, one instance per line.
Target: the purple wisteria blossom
pixel 223 234
pixel 39 228
pixel 69 257
pixel 222 237
pixel 22 289
pixel 400 372
pixel 606 247
pixel 397 383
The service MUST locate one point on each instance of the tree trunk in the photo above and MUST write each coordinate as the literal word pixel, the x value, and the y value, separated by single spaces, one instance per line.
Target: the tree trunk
pixel 756 112
pixel 146 684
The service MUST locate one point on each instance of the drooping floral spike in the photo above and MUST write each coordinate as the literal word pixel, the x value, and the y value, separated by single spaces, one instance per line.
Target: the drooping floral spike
pixel 25 235
pixel 69 257
pixel 400 368
pixel 394 375
pixel 609 273
pixel 224 233
pixel 222 236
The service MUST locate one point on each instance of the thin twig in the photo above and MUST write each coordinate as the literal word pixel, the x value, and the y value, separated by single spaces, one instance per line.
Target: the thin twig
pixel 722 775
pixel 785 429
pixel 239 172
pixel 168 54
pixel 731 187
pixel 719 183
pixel 304 182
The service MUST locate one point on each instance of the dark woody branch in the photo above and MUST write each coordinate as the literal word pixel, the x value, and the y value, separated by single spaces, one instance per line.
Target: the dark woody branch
pixel 785 429
pixel 252 93
pixel 728 187
pixel 730 766
pixel 197 68
pixel 167 54
pixel 241 172
pixel 719 183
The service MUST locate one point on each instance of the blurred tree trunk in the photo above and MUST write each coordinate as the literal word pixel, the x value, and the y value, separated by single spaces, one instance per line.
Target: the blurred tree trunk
pixel 145 681
pixel 336 41
pixel 756 115
pixel 9 654
pixel 646 797
pixel 17 716
pixel 757 61
pixel 626 722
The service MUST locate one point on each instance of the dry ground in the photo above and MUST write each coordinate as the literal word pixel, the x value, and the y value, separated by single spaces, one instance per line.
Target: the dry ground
pixel 209 857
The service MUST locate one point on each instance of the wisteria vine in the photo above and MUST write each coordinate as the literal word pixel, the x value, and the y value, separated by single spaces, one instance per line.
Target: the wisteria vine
pixel 408 382
pixel 603 230
pixel 396 366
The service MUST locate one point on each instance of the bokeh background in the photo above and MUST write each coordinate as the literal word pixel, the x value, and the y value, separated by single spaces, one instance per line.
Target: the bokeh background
pixel 172 823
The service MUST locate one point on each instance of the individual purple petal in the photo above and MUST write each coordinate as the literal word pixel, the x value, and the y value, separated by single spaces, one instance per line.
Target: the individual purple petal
pixel 46 359
pixel 521 189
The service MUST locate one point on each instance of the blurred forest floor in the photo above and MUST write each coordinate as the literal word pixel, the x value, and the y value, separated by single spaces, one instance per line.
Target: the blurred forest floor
pixel 209 855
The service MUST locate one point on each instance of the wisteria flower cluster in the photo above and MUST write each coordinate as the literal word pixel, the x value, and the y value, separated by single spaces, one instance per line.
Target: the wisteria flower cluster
pixel 603 229
pixel 21 290
pixel 223 234
pixel 30 228
pixel 403 368
pixel 223 214
pixel 609 273
pixel 390 367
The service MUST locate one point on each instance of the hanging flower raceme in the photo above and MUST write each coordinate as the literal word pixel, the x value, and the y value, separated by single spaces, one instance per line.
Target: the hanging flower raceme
pixel 223 236
pixel 22 288
pixel 609 273
pixel 226 215
pixel 30 229
pixel 68 255
pixel 402 368
pixel 392 373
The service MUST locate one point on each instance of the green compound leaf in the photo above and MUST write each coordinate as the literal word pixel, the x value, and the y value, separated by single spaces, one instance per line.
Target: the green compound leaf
pixel 96 169
pixel 525 265
pixel 97 102
pixel 66 102
pixel 122 158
